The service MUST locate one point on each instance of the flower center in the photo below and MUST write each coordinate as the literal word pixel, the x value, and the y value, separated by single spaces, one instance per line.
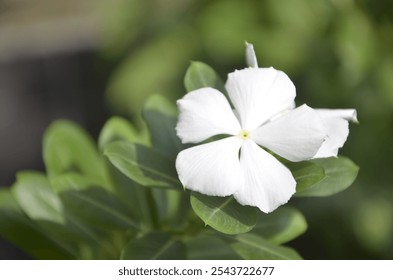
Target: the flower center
pixel 244 134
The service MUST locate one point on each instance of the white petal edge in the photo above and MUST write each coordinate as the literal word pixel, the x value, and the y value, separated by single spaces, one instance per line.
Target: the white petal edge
pixel 212 168
pixel 268 183
pixel 337 130
pixel 346 114
pixel 205 113
pixel 258 94
pixel 296 136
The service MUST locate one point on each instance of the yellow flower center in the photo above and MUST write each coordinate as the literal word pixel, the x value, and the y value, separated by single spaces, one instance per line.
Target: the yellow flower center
pixel 244 134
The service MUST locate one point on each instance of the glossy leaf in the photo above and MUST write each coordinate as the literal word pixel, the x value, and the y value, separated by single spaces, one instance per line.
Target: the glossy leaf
pixel 154 246
pixel 340 173
pixel 282 225
pixel 161 117
pixel 224 213
pixel 117 128
pixel 252 247
pixel 209 248
pixel 306 174
pixel 201 75
pixel 91 204
pixel 68 148
pixel 143 165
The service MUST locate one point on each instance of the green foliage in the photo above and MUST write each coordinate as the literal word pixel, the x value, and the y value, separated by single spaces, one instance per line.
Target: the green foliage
pixel 201 75
pixel 142 164
pixel 339 174
pixel 253 247
pixel 224 213
pixel 123 200
pixel 154 246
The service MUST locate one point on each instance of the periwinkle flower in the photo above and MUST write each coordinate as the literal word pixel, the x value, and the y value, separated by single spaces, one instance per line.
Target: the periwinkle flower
pixel 261 121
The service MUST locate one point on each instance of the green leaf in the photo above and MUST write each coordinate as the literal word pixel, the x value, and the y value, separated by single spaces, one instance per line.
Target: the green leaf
pixel 68 148
pixel 306 174
pixel 173 207
pixel 224 213
pixel 143 165
pixel 17 228
pixel 283 225
pixel 252 247
pixel 340 173
pixel 201 75
pixel 209 248
pixel 154 246
pixel 41 204
pixel 117 128
pixel 92 205
pixel 134 196
pixel 37 199
pixel 161 118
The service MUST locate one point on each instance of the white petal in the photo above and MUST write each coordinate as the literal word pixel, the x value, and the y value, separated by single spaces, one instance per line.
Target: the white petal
pixel 212 168
pixel 268 183
pixel 251 58
pixel 346 114
pixel 337 130
pixel 296 136
pixel 258 94
pixel 204 113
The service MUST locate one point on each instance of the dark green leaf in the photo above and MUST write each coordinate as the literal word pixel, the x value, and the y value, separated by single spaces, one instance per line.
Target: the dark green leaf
pixel 340 173
pixel 223 213
pixel 154 246
pixel 201 75
pixel 68 148
pixel 283 225
pixel 252 247
pixel 306 174
pixel 143 165
pixel 161 118
pixel 209 248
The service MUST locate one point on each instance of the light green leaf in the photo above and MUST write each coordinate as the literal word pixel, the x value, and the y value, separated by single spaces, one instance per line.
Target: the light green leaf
pixel 17 228
pixel 161 117
pixel 340 173
pixel 37 199
pixel 143 165
pixel 209 248
pixel 252 247
pixel 306 174
pixel 68 148
pixel 201 75
pixel 117 128
pixel 154 246
pixel 283 225
pixel 223 213
pixel 92 205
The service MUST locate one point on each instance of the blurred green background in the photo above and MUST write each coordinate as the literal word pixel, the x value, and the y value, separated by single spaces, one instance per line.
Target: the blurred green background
pixel 87 60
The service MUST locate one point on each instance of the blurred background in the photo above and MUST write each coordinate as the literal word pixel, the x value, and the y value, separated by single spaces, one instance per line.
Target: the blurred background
pixel 86 60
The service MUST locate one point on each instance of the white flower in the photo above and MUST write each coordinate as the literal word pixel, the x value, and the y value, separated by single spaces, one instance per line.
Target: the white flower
pixel 262 116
